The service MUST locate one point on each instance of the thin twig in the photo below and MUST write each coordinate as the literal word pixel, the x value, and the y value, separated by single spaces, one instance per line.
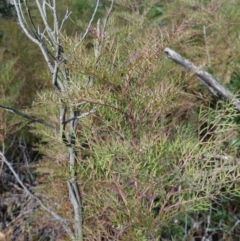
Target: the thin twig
pixel 55 215
pixel 106 21
pixel 80 116
pixel 32 118
pixel 89 25
pixel 206 45
pixel 234 226
pixel 67 15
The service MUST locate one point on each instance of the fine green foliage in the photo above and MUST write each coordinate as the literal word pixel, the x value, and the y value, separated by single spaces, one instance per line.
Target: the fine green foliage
pixel 9 90
pixel 149 152
pixel 158 148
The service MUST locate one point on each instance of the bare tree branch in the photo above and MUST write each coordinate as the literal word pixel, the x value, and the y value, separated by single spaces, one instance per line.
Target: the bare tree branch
pixel 80 116
pixel 32 118
pixel 89 25
pixel 38 38
pixel 55 215
pixel 106 20
pixel 204 76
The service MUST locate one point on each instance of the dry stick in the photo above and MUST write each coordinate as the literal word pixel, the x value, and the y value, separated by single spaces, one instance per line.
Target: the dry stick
pixel 88 27
pixel 207 78
pixel 32 118
pixel 79 116
pixel 55 215
pixel 207 50
pixel 106 20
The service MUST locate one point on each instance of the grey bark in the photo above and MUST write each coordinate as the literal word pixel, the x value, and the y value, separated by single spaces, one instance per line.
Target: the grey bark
pixel 204 76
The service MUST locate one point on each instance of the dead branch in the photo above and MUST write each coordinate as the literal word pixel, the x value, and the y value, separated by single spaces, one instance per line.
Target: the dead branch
pixel 55 215
pixel 32 118
pixel 204 76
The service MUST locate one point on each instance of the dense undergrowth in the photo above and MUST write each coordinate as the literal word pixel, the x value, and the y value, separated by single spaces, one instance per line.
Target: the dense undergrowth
pixel 158 159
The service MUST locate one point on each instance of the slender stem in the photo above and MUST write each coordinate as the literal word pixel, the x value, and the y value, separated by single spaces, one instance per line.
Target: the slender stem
pixel 32 118
pixel 89 25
